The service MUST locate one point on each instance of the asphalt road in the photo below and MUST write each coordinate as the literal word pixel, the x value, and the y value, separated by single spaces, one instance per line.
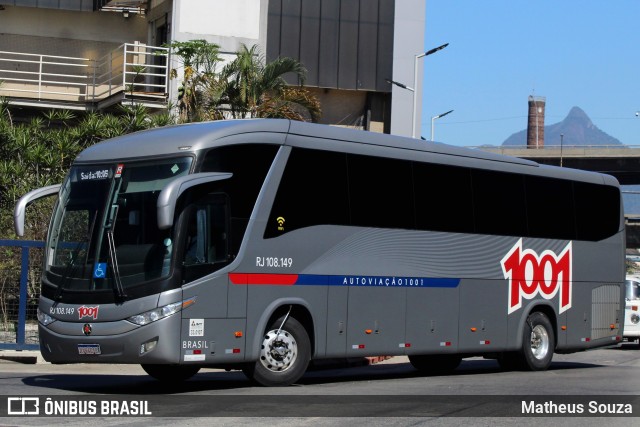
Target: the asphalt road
pixel 387 393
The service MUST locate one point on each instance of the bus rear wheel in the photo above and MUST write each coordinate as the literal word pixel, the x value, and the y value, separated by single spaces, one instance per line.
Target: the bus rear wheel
pixel 538 342
pixel 537 346
pixel 435 364
pixel 284 354
pixel 171 373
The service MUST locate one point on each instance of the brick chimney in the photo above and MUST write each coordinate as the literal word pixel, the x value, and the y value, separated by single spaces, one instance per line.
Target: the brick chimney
pixel 535 125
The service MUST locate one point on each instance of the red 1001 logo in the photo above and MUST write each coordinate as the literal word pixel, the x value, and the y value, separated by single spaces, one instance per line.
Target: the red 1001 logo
pixel 530 274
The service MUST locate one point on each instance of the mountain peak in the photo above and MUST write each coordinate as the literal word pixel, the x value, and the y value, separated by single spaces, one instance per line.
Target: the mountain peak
pixel 577 113
pixel 576 129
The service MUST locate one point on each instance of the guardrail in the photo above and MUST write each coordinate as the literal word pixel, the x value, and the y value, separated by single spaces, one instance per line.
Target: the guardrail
pixel 18 325
pixel 133 71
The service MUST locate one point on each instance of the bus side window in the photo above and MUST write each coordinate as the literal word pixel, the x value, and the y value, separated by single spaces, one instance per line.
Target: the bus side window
pixel 196 246
pixel 206 247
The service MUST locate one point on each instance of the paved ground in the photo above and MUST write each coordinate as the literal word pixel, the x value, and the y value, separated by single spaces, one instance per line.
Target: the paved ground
pixel 15 360
pixel 25 356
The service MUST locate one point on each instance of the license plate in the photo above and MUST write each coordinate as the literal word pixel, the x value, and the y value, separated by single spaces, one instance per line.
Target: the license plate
pixel 89 349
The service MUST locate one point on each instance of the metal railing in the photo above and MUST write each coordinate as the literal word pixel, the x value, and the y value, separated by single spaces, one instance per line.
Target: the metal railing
pixel 132 71
pixel 44 76
pixel 19 299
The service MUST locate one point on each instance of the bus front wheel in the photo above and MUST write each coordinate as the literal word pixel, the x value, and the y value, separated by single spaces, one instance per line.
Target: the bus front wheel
pixel 284 354
pixel 171 373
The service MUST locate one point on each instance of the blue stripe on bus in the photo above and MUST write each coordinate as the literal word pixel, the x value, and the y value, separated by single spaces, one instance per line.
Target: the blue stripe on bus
pixel 378 281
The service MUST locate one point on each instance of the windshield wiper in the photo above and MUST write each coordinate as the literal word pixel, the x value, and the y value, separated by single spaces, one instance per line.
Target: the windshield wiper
pixel 119 289
pixel 110 226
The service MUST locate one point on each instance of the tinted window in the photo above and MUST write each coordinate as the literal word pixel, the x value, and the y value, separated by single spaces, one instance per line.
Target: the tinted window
pixel 313 191
pixel 320 187
pixel 249 164
pixel 499 203
pixel 598 210
pixel 206 245
pixel 381 192
pixel 550 208
pixel 443 198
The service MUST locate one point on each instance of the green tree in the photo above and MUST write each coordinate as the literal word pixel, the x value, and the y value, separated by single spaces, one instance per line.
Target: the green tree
pixel 256 88
pixel 200 60
pixel 248 86
pixel 40 152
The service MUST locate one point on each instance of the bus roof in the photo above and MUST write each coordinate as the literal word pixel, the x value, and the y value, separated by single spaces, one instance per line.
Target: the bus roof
pixel 194 137
pixel 176 139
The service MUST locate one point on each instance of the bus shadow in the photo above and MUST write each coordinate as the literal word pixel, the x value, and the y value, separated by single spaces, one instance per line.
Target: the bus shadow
pixel 405 370
pixel 143 385
pixel 216 380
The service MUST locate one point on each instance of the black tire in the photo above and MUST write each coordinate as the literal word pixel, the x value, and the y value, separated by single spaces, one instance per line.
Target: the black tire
pixel 284 356
pixel 435 364
pixel 171 373
pixel 538 347
pixel 538 342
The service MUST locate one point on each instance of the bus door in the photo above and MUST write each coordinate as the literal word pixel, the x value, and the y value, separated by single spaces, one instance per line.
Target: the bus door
pixel 208 334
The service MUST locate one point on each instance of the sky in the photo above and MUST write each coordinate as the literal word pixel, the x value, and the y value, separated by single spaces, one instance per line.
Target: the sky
pixel 582 53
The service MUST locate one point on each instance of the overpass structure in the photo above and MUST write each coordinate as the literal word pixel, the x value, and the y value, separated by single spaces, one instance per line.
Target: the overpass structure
pixel 623 162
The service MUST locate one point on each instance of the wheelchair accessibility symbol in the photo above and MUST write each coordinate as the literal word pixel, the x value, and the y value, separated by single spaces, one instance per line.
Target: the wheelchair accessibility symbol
pixel 100 270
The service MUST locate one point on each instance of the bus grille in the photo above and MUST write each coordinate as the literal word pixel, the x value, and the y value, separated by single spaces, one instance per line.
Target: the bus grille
pixel 605 309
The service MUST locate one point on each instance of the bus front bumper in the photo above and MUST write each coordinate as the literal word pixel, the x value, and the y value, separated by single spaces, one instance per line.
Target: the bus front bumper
pixel 154 343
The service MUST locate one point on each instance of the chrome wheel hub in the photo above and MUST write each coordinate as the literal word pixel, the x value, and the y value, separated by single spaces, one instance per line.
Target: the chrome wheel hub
pixel 539 342
pixel 279 351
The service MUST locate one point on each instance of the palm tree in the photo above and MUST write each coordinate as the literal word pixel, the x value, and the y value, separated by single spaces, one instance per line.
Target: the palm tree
pixel 246 87
pixel 250 87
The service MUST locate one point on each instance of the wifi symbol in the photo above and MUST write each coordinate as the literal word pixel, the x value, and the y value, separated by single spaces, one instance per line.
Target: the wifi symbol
pixel 280 223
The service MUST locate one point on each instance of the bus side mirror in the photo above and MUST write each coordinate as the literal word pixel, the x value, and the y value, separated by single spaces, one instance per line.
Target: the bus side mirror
pixel 21 207
pixel 169 195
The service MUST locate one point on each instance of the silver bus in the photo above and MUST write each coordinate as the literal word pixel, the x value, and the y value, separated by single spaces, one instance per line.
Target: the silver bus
pixel 262 245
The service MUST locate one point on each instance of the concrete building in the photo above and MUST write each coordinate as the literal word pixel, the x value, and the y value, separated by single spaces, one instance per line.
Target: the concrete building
pixel 92 54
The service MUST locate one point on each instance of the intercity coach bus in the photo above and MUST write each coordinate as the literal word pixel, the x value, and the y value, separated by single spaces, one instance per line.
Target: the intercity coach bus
pixel 263 245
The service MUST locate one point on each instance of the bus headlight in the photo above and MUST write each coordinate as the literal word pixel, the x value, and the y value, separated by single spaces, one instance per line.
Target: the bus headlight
pixel 44 318
pixel 160 312
pixel 635 318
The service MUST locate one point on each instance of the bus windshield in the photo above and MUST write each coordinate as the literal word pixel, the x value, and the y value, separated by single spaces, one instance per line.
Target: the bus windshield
pixel 104 234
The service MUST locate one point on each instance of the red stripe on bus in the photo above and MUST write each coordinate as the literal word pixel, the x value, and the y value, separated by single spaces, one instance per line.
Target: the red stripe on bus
pixel 263 279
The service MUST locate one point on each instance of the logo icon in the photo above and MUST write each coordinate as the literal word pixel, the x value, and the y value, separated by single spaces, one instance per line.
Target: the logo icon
pixel 530 274
pixel 280 221
pixel 86 329
pixel 119 169
pixel 23 406
pixel 100 270
pixel 88 312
